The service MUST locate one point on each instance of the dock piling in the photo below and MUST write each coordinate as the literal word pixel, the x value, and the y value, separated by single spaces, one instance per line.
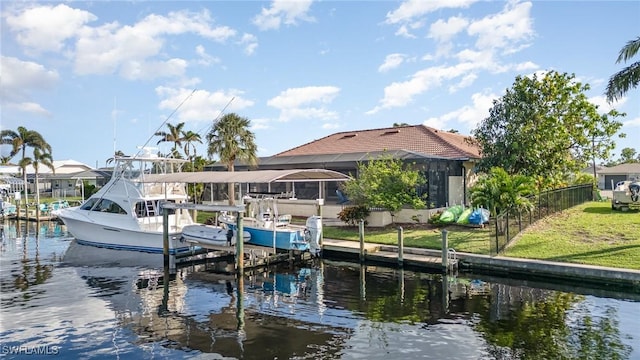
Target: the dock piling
pixel 239 243
pixel 165 237
pixel 445 249
pixel 400 246
pixel 361 231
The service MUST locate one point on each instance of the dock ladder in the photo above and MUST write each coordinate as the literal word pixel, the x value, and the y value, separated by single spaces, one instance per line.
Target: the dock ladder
pixel 452 260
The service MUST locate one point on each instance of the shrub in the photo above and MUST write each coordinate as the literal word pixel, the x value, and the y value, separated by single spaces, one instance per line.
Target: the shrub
pixel 353 214
pixel 434 219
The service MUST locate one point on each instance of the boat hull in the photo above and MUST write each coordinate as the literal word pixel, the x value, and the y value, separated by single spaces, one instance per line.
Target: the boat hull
pixel 285 238
pixel 211 235
pixel 91 231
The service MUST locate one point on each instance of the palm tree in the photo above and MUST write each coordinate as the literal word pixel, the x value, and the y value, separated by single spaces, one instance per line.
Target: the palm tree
pixel 500 192
pixel 175 135
pixel 117 154
pixel 40 158
pixel 231 139
pixel 19 141
pixel 190 138
pixel 628 77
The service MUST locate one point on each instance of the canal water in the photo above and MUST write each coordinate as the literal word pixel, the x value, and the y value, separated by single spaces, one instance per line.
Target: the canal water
pixel 64 300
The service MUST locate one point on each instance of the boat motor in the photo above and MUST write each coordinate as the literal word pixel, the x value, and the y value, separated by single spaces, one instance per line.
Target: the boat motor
pixel 313 232
pixel 634 188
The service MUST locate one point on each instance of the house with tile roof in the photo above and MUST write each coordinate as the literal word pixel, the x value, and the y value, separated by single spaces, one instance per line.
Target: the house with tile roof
pixel 446 159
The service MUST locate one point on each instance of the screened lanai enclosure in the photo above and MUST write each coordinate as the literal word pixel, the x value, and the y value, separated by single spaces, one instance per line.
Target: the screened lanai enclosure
pixel 447 180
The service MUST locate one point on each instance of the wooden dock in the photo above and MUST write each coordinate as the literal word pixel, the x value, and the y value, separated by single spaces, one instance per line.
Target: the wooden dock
pixel 254 255
pixel 388 254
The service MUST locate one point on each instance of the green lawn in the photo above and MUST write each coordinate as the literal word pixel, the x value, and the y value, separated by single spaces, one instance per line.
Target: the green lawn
pixel 471 240
pixel 590 233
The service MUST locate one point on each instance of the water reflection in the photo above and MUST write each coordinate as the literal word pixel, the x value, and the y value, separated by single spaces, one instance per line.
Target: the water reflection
pixel 96 303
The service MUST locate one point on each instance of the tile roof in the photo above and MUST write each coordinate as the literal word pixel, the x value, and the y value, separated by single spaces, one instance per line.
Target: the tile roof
pixel 416 138
pixel 628 168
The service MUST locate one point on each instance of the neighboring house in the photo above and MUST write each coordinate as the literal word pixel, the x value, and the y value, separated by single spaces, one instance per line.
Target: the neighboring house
pixel 609 177
pixel 70 184
pixel 62 167
pixel 445 159
pixel 589 170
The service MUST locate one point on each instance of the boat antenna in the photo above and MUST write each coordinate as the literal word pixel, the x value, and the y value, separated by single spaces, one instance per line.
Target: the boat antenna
pixel 210 126
pixel 165 121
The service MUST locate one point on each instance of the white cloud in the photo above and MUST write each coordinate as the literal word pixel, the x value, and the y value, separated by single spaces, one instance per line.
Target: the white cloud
pixel 603 106
pixel 259 124
pixel 135 70
pixel 466 81
pixel 45 28
pixel 468 116
pixel 205 58
pixel 330 126
pixel 297 103
pixel 126 49
pixel 250 43
pixel 411 9
pixel 511 27
pixel 401 93
pixel 18 75
pixel 443 31
pixel 200 105
pixel 18 79
pixel 134 51
pixel 283 12
pixel 632 122
pixel 391 61
pixel 497 34
pixel 29 107
pixel 404 32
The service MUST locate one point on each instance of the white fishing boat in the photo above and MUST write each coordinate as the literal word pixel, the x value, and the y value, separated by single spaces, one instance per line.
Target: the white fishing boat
pixel 212 235
pixel 126 213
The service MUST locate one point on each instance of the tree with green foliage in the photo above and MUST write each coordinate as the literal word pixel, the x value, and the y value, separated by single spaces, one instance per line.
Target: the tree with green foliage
pixel 628 155
pixel 627 78
pixel 499 192
pixel 19 141
pixel 40 158
pixel 231 139
pixel 175 135
pixel 116 155
pixel 190 138
pixel 544 127
pixel 385 183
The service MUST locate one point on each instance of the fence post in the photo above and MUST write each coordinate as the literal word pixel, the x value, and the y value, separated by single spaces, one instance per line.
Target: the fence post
pixel 506 238
pixel 519 221
pixel 497 238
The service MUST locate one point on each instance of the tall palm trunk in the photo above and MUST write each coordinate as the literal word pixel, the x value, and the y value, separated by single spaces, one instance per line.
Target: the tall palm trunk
pixel 232 186
pixel 37 198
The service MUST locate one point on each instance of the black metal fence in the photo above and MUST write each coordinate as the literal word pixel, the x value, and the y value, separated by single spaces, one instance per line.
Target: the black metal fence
pixel 506 226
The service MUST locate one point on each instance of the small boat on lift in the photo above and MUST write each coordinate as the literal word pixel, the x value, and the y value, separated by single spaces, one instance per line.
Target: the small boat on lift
pixel 270 229
pixel 212 235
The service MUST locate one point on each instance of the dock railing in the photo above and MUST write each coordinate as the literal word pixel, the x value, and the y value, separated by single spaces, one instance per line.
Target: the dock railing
pixel 505 227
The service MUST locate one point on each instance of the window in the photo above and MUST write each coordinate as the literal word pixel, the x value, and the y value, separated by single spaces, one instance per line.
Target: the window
pixel 87 204
pixel 106 205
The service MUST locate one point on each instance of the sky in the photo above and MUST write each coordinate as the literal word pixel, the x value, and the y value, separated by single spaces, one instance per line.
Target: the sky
pixel 94 77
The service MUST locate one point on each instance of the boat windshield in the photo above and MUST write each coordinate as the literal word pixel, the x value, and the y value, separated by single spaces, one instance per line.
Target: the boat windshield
pixel 135 168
